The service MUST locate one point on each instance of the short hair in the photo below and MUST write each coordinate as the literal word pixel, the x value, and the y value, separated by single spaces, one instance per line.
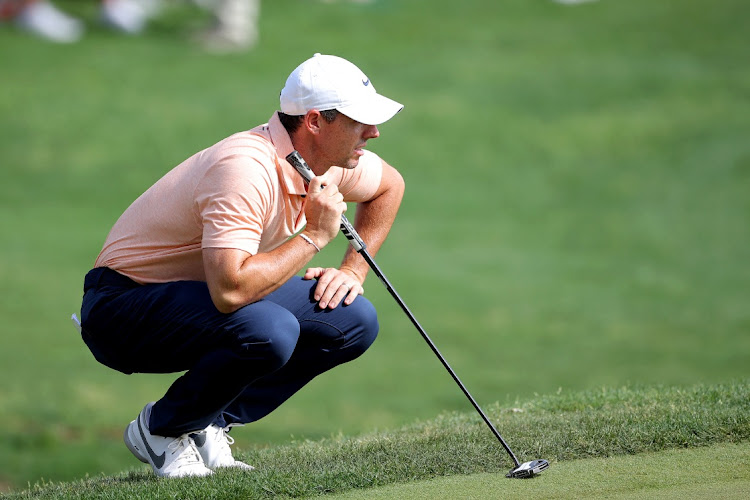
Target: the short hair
pixel 292 122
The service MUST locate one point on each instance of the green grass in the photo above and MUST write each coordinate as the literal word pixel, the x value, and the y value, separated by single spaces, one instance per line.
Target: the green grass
pixel 719 471
pixel 576 213
pixel 564 427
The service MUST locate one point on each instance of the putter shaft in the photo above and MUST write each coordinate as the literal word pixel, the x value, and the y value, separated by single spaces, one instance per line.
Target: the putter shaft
pixel 296 160
pixel 376 269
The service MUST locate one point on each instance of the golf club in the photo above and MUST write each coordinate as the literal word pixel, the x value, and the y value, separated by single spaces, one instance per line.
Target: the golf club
pixel 520 470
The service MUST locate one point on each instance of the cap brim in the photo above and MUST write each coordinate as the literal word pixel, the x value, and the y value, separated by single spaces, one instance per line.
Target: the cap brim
pixel 373 111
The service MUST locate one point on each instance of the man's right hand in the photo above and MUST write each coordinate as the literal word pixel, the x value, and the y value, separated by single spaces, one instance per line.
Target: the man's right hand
pixel 236 278
pixel 323 208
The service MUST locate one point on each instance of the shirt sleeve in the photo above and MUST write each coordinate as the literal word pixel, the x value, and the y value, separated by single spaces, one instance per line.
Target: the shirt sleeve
pixel 361 183
pixel 233 200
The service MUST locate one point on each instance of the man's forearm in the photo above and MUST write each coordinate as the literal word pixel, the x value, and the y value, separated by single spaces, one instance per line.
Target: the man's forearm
pixel 373 222
pixel 236 278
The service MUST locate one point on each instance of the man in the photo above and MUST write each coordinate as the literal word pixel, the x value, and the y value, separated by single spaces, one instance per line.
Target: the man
pixel 199 273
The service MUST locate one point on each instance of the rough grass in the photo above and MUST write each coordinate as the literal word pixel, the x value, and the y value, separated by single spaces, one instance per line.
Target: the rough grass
pixel 559 427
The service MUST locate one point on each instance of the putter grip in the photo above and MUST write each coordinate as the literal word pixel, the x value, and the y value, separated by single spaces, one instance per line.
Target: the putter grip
pixel 296 160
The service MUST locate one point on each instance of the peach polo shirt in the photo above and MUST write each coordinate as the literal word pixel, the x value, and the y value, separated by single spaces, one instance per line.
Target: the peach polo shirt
pixel 239 193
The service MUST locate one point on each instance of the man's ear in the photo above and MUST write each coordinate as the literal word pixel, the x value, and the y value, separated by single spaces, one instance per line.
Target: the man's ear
pixel 312 121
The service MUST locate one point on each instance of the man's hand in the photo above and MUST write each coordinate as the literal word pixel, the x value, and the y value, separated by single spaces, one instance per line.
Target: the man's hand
pixel 334 286
pixel 323 209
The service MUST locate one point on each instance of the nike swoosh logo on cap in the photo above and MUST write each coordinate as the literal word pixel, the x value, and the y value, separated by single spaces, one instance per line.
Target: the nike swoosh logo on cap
pixel 157 459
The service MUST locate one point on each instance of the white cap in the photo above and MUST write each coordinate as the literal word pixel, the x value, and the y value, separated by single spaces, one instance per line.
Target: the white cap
pixel 329 82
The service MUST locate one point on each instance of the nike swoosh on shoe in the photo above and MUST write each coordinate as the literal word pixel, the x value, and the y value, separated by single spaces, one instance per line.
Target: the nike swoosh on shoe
pixel 158 460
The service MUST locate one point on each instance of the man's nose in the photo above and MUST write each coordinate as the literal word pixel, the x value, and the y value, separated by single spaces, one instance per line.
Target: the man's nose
pixel 372 132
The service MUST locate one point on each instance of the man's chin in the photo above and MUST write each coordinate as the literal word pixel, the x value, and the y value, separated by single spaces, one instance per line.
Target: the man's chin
pixel 352 163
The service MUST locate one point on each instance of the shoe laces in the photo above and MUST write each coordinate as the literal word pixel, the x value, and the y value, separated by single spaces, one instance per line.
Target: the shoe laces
pixel 185 447
pixel 229 439
pixel 225 440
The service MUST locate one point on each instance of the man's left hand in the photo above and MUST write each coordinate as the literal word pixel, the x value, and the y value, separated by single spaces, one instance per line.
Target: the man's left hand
pixel 334 285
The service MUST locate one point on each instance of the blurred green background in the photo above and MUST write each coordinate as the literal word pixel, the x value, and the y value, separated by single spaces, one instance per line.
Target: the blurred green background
pixel 577 212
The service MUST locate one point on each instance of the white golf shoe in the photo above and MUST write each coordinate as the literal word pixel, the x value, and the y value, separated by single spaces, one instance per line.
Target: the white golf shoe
pixel 168 456
pixel 213 445
pixel 45 20
pixel 126 16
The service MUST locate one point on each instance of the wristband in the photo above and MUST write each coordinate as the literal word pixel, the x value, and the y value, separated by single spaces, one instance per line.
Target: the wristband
pixel 310 241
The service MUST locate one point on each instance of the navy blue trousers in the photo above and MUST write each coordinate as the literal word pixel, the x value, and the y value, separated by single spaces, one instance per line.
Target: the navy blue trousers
pixel 240 366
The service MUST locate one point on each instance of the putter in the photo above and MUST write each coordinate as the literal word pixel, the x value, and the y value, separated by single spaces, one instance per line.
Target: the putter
pixel 520 470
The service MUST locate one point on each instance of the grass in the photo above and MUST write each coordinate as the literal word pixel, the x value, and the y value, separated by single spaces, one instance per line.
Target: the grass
pixel 672 474
pixel 563 427
pixel 576 213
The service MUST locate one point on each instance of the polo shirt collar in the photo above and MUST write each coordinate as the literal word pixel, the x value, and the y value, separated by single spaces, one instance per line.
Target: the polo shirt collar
pixel 293 181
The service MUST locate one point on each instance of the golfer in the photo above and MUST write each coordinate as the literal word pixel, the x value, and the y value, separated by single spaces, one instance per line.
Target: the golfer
pixel 200 273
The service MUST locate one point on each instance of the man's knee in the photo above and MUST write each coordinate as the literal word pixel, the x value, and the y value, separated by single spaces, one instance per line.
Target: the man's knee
pixel 365 317
pixel 269 338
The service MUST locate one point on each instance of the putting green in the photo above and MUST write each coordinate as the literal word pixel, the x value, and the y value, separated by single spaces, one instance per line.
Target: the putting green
pixel 720 471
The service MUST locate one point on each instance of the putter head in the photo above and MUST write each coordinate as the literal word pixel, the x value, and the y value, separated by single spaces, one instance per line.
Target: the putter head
pixel 528 469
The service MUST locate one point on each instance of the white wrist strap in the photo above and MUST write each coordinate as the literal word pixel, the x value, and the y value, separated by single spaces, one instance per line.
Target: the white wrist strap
pixel 310 241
